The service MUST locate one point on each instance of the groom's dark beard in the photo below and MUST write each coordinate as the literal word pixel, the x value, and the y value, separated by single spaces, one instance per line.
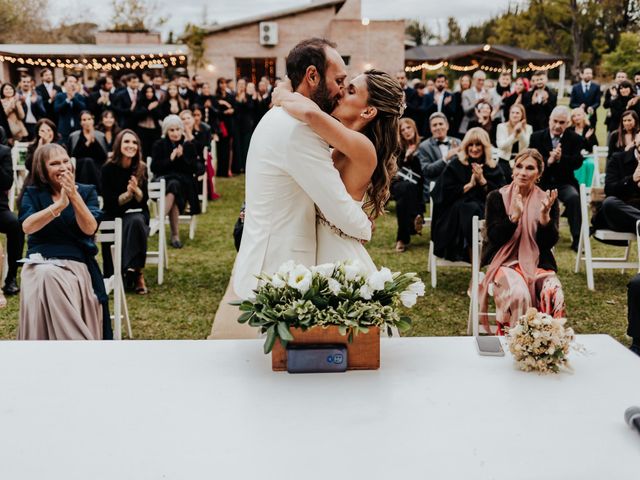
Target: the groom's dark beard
pixel 322 97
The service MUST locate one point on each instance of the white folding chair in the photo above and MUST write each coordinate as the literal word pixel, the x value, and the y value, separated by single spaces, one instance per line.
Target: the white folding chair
pixel 111 232
pixel 18 154
pixel 160 257
pixel 435 262
pixel 599 153
pixel 585 251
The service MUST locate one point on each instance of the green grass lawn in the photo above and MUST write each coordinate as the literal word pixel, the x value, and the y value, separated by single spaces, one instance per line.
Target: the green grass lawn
pixel 184 306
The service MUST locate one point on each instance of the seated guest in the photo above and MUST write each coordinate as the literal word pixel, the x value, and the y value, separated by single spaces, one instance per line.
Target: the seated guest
pixel 580 124
pixel 512 137
pixel 562 153
pixel 460 194
pixel 623 138
pixel 147 118
pixel 521 230
pixel 175 160
pixel 196 138
pixel 484 120
pixel 633 315
pixel 68 105
pixel 435 152
pixel 89 149
pixel 46 132
pixel 406 187
pixel 621 208
pixel 124 189
pixel 202 131
pixel 618 102
pixel 109 127
pixel 9 224
pixel 63 295
pixel 13 109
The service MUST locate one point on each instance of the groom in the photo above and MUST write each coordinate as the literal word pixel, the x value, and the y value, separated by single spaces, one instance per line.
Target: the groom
pixel 289 171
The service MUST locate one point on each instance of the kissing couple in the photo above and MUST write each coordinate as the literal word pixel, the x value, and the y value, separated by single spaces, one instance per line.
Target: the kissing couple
pixel 306 202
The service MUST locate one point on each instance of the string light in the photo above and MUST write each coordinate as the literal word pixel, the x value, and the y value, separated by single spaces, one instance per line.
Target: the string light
pixel 475 65
pixel 137 62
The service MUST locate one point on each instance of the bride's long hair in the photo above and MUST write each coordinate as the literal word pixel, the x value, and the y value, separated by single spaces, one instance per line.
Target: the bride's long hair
pixel 387 96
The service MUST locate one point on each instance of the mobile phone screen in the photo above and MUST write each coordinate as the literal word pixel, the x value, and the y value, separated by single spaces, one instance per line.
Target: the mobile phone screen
pixel 489 346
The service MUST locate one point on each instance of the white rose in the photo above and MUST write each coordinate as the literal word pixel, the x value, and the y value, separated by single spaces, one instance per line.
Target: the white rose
pixel 300 278
pixel 366 292
pixel 277 281
pixel 351 271
pixel 334 286
pixel 378 279
pixel 325 270
pixel 417 288
pixel 286 268
pixel 408 299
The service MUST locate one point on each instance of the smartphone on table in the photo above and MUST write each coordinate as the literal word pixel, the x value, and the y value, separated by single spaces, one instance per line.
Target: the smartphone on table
pixel 489 345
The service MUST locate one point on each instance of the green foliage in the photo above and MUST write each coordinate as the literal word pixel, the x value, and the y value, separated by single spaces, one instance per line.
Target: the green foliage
pixel 418 32
pixel 22 21
pixel 135 16
pixel 626 56
pixel 454 36
pixel 193 37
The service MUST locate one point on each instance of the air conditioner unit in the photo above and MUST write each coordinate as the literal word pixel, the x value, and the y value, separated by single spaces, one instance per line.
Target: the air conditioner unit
pixel 268 33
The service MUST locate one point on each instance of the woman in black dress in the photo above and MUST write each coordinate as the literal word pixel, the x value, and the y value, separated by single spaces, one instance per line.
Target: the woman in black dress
pixel 175 160
pixel 464 83
pixel 243 120
pixel 460 194
pixel 147 115
pixel 172 103
pixel 109 126
pixel 580 125
pixel 623 138
pixel 124 189
pixel 89 149
pixel 225 104
pixel 485 121
pixel 619 104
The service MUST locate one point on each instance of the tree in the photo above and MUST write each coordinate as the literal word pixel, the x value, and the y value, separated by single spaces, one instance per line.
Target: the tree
pixel 22 21
pixel 626 56
pixel 135 16
pixel 454 36
pixel 418 32
pixel 193 37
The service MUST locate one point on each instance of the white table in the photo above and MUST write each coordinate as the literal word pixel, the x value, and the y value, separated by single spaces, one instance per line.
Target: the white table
pixel 191 410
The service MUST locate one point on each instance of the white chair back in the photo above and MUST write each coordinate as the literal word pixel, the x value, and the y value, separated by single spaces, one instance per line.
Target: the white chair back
pixel 110 231
pixel 157 206
pixel 599 154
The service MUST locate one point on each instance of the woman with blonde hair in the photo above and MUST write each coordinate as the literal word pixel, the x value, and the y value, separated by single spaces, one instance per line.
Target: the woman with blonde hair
pixel 521 230
pixel 580 124
pixel 512 137
pixel 460 194
pixel 406 187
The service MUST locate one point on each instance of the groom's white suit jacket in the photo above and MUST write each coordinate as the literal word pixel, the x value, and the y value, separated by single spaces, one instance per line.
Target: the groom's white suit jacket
pixel 289 171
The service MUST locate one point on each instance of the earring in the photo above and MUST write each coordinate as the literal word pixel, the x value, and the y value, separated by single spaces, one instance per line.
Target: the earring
pixel 538 179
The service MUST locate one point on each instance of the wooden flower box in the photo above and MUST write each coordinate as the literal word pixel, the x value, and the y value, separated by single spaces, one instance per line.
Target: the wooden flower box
pixel 363 353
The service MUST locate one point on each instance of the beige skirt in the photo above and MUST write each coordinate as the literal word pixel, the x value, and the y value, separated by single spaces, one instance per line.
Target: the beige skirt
pixel 57 302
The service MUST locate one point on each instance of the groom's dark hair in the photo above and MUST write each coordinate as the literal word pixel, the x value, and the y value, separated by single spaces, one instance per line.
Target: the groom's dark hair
pixel 303 55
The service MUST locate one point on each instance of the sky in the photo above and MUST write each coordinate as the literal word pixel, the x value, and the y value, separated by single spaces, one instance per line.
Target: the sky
pixel 432 12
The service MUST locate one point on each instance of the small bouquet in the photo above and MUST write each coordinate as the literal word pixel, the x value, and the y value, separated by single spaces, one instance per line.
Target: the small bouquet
pixel 340 294
pixel 540 342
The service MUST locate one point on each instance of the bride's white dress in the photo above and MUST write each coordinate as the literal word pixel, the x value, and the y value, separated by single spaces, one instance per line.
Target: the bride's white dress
pixel 333 246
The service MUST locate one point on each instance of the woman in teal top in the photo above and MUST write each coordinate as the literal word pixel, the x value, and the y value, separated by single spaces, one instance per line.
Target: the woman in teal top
pixel 63 295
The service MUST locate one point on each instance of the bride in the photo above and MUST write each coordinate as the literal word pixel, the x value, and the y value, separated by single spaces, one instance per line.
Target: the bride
pixel 363 130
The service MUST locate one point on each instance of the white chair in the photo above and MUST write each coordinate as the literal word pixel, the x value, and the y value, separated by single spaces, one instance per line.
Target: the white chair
pixel 585 250
pixel 111 232
pixel 473 325
pixel 435 262
pixel 599 153
pixel 18 154
pixel 160 257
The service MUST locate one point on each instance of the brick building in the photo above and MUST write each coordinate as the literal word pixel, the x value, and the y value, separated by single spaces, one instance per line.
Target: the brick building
pixel 258 46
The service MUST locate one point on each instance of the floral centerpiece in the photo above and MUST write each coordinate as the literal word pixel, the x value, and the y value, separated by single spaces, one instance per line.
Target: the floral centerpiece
pixel 338 294
pixel 540 342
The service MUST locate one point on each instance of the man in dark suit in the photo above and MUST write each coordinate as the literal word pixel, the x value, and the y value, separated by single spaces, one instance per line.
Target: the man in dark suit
pixel 561 150
pixel 32 105
pixel 9 223
pixel 435 152
pixel 68 105
pixel 441 100
pixel 125 101
pixel 184 90
pixel 48 91
pixel 621 208
pixel 633 315
pixel 411 99
pixel 102 99
pixel 539 102
pixel 586 95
